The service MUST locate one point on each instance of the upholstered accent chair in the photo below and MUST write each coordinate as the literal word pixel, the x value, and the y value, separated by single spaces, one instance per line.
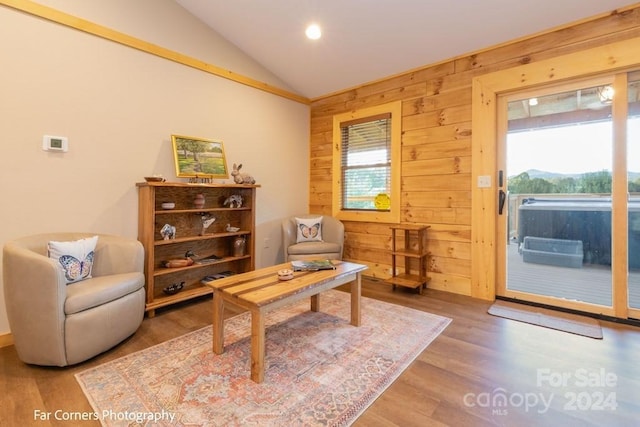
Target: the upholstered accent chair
pixel 57 323
pixel 330 245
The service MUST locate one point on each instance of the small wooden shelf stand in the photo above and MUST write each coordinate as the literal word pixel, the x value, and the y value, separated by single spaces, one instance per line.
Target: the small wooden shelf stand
pixel 411 278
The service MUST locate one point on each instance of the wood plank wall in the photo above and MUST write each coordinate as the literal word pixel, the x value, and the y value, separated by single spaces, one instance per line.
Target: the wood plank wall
pixel 436 144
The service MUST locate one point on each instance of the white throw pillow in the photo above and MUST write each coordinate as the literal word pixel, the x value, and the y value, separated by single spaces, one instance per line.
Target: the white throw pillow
pixel 74 258
pixel 309 229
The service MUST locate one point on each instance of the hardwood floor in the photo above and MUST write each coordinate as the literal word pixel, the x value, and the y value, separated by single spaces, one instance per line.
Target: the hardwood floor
pixel 458 380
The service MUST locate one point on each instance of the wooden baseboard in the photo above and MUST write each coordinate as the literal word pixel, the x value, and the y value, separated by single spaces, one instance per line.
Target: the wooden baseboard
pixel 6 340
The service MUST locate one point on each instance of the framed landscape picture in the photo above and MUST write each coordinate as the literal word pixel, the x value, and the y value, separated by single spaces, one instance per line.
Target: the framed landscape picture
pixel 199 158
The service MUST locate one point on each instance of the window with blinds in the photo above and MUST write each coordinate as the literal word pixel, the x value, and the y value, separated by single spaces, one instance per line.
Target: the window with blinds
pixel 366 162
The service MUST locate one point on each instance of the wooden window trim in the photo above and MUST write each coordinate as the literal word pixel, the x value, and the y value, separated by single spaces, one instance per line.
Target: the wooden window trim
pixel 340 120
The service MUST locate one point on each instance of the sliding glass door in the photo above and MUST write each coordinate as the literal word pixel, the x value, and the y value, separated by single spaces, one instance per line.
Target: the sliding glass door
pixel 568 175
pixel 558 169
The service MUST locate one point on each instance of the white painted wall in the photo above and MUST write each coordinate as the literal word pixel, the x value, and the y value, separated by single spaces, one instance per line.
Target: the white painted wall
pixel 118 107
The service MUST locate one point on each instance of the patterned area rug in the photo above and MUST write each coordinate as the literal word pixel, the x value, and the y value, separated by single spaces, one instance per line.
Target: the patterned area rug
pixel 320 370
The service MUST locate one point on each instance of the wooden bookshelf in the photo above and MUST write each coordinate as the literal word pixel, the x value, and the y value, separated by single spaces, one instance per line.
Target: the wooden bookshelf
pixel 215 241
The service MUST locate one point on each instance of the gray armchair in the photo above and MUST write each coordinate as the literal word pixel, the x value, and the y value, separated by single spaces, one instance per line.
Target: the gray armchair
pixel 57 324
pixel 331 246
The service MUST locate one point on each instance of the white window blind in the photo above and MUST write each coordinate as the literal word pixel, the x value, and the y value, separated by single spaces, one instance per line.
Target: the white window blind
pixel 366 161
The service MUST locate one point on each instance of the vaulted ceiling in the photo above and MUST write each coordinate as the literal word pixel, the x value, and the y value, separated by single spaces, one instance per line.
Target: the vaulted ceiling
pixel 366 40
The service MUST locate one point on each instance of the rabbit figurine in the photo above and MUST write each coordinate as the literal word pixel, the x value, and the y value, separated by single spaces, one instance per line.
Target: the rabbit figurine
pixel 241 177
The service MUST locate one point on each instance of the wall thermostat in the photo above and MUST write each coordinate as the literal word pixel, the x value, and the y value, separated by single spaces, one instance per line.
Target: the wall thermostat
pixel 55 143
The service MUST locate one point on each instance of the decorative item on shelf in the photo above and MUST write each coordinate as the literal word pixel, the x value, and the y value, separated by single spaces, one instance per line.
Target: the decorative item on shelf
pixel 241 177
pixel 239 244
pixel 198 201
pixel 224 274
pixel 154 178
pixel 234 201
pixel 231 229
pixel 221 275
pixel 168 205
pixel 173 289
pixel 180 262
pixel 177 263
pixel 168 232
pixel 382 202
pixel 208 260
pixel 207 220
pixel 201 179
pixel 285 274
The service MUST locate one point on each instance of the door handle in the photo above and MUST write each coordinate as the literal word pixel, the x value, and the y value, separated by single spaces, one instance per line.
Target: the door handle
pixel 502 197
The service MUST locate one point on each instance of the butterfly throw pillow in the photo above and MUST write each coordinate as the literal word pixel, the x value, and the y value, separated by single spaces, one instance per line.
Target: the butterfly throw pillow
pixel 309 229
pixel 74 258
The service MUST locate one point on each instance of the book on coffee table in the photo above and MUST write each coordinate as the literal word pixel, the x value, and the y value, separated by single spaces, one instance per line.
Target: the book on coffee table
pixel 312 265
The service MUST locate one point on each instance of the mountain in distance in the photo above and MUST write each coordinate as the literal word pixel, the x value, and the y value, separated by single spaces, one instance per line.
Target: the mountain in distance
pixel 536 173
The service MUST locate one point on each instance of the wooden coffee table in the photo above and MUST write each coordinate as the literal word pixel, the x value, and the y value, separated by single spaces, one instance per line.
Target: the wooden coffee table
pixel 260 291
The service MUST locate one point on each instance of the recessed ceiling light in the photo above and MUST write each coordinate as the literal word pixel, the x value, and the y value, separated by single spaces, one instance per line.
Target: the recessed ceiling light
pixel 313 32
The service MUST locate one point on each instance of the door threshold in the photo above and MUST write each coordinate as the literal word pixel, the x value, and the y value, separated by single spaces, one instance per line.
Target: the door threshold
pixel 629 321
